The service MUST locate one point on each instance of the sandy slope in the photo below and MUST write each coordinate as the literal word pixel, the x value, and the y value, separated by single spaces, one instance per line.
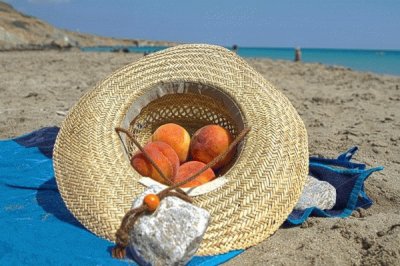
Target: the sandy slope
pixel 340 108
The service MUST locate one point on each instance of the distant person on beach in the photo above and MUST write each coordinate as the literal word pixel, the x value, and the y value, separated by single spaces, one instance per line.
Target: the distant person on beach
pixel 297 55
pixel 234 48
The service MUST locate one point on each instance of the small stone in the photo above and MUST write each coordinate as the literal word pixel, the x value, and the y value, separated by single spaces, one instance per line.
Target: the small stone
pixel 309 223
pixel 170 235
pixel 363 213
pixel 366 243
pixel 62 113
pixel 381 233
pixel 318 194
pixel 304 225
pixel 31 94
pixel 375 150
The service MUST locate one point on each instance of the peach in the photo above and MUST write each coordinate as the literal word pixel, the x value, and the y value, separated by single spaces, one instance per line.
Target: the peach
pixel 210 141
pixel 175 136
pixel 188 169
pixel 163 155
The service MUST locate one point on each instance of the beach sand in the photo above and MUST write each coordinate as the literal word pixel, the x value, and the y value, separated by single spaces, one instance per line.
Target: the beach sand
pixel 341 108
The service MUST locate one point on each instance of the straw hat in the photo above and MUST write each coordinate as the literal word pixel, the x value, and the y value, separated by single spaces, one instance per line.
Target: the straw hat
pixel 192 85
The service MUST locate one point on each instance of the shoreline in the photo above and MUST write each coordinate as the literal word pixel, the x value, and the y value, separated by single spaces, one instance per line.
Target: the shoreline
pixel 340 108
pixel 353 65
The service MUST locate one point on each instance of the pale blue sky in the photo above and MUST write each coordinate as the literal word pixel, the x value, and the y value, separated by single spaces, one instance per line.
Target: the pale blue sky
pixel 362 24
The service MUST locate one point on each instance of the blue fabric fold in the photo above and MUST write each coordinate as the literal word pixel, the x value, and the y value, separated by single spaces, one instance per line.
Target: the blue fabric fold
pixel 347 177
pixel 36 228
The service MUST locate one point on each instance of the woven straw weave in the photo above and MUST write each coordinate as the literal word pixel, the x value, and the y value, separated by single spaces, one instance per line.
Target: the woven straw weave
pixel 98 184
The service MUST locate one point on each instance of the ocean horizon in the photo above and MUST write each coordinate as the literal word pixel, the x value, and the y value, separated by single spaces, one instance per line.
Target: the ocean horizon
pixel 366 60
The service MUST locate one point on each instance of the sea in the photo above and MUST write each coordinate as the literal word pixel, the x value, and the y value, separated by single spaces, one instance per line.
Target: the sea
pixel 376 61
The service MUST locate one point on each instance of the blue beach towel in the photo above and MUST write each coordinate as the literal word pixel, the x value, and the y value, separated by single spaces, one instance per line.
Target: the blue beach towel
pixel 37 229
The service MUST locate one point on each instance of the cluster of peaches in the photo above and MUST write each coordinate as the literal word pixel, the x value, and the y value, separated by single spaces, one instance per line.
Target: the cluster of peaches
pixel 178 156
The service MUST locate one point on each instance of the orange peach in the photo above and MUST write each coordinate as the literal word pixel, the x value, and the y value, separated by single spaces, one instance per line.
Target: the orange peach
pixel 175 136
pixel 163 155
pixel 210 141
pixel 188 169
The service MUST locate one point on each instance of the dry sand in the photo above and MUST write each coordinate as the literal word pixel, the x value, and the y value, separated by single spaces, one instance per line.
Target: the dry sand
pixel 340 108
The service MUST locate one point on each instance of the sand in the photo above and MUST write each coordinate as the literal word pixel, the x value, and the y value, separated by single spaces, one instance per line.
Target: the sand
pixel 340 108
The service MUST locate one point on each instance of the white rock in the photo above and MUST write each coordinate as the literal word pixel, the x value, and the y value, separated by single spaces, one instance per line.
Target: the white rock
pixel 317 193
pixel 169 236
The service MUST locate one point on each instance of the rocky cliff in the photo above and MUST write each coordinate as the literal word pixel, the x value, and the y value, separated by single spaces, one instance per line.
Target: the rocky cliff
pixel 20 32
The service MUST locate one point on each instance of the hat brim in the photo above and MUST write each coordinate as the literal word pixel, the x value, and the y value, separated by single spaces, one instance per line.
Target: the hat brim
pixel 98 184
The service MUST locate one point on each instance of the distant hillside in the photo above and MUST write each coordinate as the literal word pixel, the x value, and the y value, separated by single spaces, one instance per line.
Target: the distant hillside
pixel 20 32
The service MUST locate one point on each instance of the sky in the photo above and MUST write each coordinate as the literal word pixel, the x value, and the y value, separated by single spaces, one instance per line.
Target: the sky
pixel 363 24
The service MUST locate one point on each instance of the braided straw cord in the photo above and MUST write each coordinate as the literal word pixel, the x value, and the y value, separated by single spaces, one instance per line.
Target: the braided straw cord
pixel 98 184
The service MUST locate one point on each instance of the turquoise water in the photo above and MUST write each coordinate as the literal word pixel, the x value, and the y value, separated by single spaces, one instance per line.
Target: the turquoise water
pixel 378 61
